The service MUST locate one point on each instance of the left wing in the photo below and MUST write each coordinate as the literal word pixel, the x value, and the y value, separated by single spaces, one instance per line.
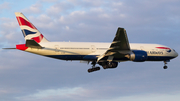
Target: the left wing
pixel 119 47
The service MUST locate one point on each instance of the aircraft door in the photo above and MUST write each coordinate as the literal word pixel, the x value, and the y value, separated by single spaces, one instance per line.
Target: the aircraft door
pixel 142 48
pixel 93 48
pixel 57 49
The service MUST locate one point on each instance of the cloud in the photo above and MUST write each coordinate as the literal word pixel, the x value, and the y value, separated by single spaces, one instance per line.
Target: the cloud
pixel 62 93
pixel 8 32
pixel 79 93
pixel 35 9
pixel 48 0
pixel 77 13
pixel 149 97
pixel 4 6
pixel 54 10
pixel 60 8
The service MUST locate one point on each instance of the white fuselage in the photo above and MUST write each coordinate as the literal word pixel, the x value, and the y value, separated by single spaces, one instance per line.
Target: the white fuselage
pixel 77 50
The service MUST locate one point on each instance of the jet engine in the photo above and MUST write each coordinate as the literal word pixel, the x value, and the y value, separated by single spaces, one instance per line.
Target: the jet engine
pixel 138 56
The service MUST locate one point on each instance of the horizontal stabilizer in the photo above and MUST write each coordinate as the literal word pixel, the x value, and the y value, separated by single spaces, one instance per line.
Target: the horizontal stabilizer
pixel 33 44
pixel 9 48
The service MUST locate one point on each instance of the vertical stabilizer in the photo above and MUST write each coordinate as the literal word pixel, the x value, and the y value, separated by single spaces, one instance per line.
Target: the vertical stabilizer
pixel 28 29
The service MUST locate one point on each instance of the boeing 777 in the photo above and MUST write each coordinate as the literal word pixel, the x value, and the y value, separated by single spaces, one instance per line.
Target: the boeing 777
pixel 107 55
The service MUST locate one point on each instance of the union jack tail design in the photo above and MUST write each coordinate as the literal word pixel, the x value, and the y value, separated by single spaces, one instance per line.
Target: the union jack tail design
pixel 28 29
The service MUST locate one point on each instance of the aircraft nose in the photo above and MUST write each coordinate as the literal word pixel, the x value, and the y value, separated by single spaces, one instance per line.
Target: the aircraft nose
pixel 175 54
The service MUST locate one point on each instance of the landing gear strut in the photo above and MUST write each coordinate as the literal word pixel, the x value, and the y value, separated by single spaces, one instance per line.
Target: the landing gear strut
pixel 165 62
pixel 93 67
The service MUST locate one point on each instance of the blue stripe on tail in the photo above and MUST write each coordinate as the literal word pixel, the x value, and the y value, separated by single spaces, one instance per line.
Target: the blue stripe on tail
pixel 27 32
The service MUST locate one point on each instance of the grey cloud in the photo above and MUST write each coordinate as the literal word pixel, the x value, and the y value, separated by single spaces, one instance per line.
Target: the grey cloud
pixel 4 6
pixel 33 9
pixel 48 0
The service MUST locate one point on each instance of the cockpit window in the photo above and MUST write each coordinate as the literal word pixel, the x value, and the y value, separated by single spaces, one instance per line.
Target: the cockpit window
pixel 173 50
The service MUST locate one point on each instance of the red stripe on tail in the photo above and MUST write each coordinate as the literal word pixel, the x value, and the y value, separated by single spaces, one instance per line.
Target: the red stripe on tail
pixel 38 39
pixel 22 22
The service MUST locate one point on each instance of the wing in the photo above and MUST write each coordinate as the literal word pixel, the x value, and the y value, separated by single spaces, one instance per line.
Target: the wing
pixel 119 47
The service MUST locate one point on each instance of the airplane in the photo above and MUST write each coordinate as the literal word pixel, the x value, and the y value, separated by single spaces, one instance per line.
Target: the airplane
pixel 107 55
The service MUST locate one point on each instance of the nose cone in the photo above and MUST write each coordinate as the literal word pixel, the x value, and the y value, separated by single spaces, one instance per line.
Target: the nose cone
pixel 175 54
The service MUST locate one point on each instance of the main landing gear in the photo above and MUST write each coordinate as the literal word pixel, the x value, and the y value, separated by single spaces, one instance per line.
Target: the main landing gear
pixel 109 65
pixel 93 67
pixel 105 65
pixel 165 66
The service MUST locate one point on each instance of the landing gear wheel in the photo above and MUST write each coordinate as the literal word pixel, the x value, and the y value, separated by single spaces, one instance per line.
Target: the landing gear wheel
pixel 90 70
pixel 97 68
pixel 165 62
pixel 165 67
pixel 110 65
pixel 105 66
pixel 93 69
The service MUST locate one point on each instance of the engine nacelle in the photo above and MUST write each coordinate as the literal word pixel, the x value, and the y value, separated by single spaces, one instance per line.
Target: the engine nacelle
pixel 138 56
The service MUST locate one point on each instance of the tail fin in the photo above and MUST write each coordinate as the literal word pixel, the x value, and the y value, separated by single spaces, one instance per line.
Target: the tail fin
pixel 28 29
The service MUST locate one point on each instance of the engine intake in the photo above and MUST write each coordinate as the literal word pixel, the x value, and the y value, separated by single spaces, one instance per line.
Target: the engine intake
pixel 138 56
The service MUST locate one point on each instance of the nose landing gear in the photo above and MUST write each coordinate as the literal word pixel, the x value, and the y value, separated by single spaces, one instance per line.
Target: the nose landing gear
pixel 165 66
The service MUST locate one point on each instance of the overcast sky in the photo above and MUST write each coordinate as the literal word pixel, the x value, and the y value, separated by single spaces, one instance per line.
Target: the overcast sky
pixel 28 77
